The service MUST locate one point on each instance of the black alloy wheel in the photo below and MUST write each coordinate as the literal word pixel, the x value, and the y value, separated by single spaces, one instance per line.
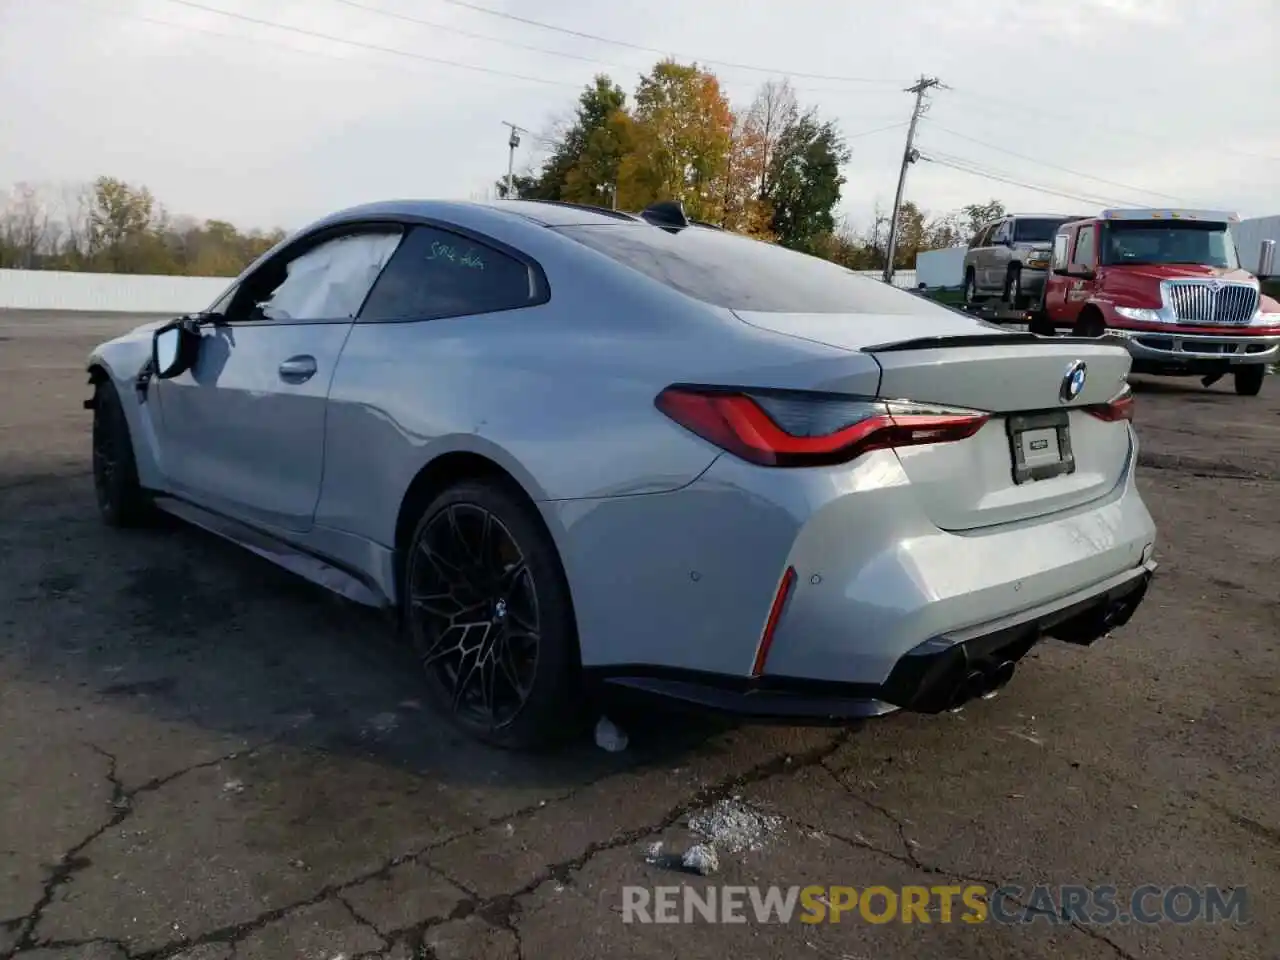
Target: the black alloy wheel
pixel 475 614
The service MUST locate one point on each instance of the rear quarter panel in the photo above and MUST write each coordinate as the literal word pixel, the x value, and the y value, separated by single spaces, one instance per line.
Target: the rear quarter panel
pixel 560 395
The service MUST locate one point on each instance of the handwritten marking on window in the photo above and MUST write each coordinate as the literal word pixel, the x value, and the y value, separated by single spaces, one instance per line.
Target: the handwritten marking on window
pixel 442 251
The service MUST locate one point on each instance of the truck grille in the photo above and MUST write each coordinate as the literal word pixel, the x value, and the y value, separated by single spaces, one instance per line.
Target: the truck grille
pixel 1196 301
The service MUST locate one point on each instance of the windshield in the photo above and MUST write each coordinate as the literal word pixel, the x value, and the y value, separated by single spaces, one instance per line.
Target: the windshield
pixel 728 270
pixel 1145 241
pixel 1036 229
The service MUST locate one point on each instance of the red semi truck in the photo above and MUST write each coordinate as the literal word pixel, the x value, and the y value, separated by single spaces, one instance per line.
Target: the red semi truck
pixel 1169 283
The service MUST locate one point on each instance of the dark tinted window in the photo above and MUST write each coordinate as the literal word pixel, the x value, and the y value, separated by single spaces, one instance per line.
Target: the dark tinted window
pixel 440 274
pixel 1036 229
pixel 727 270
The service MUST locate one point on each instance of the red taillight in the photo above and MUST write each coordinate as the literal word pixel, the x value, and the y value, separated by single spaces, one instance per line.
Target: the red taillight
pixel 794 429
pixel 1120 408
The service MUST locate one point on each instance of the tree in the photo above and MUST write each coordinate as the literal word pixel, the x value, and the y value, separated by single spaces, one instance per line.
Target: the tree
pixel 683 137
pixel 804 181
pixel 948 230
pixel 119 221
pixel 911 236
pixel 26 228
pixel 594 177
pixel 978 215
pixel 598 106
pixel 773 112
pixel 741 208
pixel 523 187
pixel 111 226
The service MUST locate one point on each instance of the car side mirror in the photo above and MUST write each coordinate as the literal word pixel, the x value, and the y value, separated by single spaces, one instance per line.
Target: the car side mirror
pixel 174 348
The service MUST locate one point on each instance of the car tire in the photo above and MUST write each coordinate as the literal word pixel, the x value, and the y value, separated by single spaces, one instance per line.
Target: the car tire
pixel 1248 379
pixel 1042 325
pixel 122 501
pixel 970 289
pixel 1013 288
pixel 487 610
pixel 1090 324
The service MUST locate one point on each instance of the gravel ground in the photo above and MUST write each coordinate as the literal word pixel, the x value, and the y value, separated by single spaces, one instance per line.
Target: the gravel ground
pixel 201 757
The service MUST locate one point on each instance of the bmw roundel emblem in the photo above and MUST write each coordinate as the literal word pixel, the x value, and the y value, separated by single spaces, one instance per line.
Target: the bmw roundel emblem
pixel 1073 381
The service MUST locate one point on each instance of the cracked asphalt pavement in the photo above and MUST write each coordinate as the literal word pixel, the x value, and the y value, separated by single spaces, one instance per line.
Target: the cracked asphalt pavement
pixel 204 758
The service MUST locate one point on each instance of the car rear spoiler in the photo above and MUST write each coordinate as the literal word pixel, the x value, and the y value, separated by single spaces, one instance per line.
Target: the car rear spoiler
pixel 974 340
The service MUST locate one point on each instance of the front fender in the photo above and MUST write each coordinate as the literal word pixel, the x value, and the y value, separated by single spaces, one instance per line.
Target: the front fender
pixel 120 361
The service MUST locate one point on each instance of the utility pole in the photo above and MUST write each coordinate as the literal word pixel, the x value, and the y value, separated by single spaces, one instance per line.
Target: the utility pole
pixel 512 142
pixel 909 156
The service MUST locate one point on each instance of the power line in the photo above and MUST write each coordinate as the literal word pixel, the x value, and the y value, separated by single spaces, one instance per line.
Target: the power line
pixel 1085 119
pixel 238 37
pixel 654 50
pixel 867 133
pixel 1052 166
pixel 983 170
pixel 405 18
pixel 302 31
pixel 974 170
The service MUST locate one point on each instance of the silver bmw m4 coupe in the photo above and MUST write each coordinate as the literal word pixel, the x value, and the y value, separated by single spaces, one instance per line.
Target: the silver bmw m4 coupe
pixel 580 452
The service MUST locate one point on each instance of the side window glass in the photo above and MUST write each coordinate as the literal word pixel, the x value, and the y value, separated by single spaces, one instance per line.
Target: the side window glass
pixel 1083 255
pixel 440 274
pixel 328 281
pixel 1060 250
pixel 980 238
pixel 1003 233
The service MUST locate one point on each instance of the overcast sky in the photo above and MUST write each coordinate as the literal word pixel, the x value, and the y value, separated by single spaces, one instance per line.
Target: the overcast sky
pixel 1144 102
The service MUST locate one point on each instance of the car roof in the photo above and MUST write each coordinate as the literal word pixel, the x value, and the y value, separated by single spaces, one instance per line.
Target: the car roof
pixel 543 212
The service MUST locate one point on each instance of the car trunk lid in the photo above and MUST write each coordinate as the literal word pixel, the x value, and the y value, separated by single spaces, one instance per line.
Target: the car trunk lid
pixel 1042 450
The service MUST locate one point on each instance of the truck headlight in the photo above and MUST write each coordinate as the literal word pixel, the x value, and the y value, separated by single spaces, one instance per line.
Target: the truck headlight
pixel 1142 314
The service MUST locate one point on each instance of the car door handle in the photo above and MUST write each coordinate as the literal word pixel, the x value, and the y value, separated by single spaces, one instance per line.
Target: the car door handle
pixel 298 369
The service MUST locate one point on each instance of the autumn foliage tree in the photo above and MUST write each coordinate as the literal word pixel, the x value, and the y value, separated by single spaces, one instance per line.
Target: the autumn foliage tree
pixel 771 171
pixel 111 226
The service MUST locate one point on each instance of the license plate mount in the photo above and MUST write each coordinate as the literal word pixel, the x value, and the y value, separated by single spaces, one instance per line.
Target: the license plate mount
pixel 1040 445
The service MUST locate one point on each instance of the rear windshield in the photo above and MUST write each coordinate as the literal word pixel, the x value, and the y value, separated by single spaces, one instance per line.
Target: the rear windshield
pixel 1036 229
pixel 728 270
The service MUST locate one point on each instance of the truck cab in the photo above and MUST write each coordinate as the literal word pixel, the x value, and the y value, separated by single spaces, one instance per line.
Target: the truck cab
pixel 1169 283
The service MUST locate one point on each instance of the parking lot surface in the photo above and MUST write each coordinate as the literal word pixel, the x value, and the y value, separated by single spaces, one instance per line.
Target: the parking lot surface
pixel 202 757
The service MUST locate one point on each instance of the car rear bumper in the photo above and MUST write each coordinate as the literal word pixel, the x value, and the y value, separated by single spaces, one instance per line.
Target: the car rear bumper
pixel 1033 281
pixel 940 674
pixel 682 583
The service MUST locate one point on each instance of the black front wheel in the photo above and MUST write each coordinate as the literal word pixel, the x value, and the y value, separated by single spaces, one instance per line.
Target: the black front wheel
pixel 487 609
pixel 122 502
pixel 1249 379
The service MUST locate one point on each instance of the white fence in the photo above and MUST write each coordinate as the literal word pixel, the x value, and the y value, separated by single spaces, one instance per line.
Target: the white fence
pixel 901 278
pixel 106 292
pixel 137 293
